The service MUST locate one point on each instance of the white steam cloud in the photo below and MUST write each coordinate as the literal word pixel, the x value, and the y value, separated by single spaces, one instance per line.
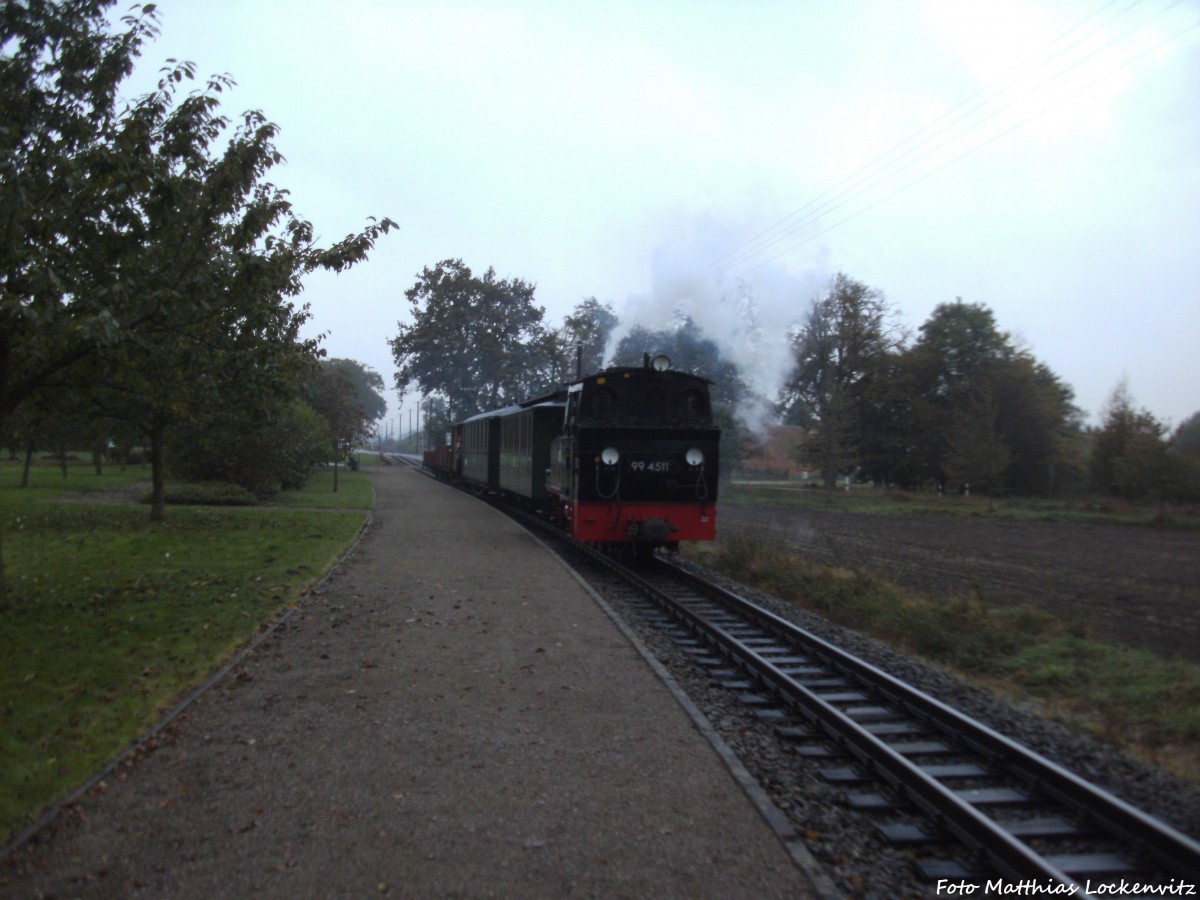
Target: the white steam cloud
pixel 749 317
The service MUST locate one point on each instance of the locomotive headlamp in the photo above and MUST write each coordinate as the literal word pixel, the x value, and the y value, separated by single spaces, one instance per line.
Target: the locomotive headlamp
pixel 694 457
pixel 660 363
pixel 610 456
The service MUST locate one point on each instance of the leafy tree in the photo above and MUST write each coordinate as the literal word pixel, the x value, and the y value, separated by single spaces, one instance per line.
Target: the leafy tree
pixel 477 341
pixel 583 338
pixel 1129 453
pixel 365 385
pixel 891 413
pixel 37 425
pixel 1185 459
pixel 976 454
pixel 119 222
pixel 57 418
pixel 333 393
pixel 960 343
pixel 64 187
pixel 1039 426
pixel 980 410
pixel 1186 439
pixel 265 447
pixel 436 423
pixel 840 352
pixel 217 252
pixel 953 361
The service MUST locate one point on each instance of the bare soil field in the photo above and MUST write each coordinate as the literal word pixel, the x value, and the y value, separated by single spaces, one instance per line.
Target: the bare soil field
pixel 1134 585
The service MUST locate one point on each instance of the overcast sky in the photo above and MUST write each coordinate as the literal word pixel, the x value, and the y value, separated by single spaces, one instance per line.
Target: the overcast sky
pixel 1042 158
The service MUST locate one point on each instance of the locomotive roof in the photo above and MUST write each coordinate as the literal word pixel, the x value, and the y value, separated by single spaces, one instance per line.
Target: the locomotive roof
pixel 559 396
pixel 623 371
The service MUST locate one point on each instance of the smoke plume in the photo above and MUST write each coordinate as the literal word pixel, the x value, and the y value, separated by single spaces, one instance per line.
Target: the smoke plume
pixel 749 316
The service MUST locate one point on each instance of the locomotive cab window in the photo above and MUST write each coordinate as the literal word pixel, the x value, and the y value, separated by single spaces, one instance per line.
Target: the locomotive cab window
pixel 574 399
pixel 603 403
pixel 693 406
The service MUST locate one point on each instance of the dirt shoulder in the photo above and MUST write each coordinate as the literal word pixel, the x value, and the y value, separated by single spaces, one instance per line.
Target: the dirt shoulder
pixel 1134 585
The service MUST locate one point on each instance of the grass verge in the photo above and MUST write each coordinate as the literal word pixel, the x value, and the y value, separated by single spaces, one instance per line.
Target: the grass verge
pixel 1148 705
pixel 112 619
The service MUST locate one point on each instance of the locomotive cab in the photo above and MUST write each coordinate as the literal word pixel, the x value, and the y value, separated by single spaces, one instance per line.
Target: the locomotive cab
pixel 637 458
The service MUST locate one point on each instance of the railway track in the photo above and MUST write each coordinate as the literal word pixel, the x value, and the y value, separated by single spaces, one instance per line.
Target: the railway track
pixel 1024 817
pixel 969 806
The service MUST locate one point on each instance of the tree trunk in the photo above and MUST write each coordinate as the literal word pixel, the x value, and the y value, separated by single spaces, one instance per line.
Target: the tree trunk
pixel 3 580
pixel 62 456
pixel 28 463
pixel 98 457
pixel 335 467
pixel 158 502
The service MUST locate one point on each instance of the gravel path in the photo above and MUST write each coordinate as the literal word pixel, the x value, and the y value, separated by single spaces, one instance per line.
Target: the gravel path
pixel 452 715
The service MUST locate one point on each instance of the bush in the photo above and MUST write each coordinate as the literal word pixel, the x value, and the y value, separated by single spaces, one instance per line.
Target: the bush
pixel 277 451
pixel 206 493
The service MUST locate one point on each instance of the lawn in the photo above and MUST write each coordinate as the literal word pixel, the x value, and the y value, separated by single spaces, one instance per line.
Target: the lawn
pixel 111 619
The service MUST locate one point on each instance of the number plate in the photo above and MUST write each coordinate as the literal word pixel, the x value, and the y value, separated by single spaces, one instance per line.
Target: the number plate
pixel 652 466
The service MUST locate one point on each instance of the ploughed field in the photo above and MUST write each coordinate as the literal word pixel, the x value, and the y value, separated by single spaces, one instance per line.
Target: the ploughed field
pixel 1134 585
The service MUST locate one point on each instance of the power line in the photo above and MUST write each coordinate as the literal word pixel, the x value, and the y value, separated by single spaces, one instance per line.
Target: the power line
pixel 847 184
pixel 911 151
pixel 1175 36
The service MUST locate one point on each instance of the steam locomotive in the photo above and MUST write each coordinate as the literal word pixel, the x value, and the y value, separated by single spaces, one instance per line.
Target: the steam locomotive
pixel 625 459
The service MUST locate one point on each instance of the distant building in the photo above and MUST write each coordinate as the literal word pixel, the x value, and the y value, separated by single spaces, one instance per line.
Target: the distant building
pixel 770 456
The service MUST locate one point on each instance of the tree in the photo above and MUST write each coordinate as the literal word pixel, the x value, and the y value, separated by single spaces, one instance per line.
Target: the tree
pixel 56 418
pixel 980 410
pixel 365 384
pixel 477 341
pixel 270 445
pixel 976 454
pixel 209 263
pixel 1129 452
pixel 65 186
pixel 839 353
pixel 1185 458
pixel 436 423
pixel 583 338
pixel 334 393
pixel 1186 439
pixel 953 362
pixel 1039 426
pixel 118 222
pixel 65 182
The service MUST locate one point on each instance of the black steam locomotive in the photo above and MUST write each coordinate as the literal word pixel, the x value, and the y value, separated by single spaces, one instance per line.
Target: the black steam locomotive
pixel 624 457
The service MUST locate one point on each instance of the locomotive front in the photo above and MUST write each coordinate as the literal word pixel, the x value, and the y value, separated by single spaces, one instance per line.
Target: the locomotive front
pixel 637 459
